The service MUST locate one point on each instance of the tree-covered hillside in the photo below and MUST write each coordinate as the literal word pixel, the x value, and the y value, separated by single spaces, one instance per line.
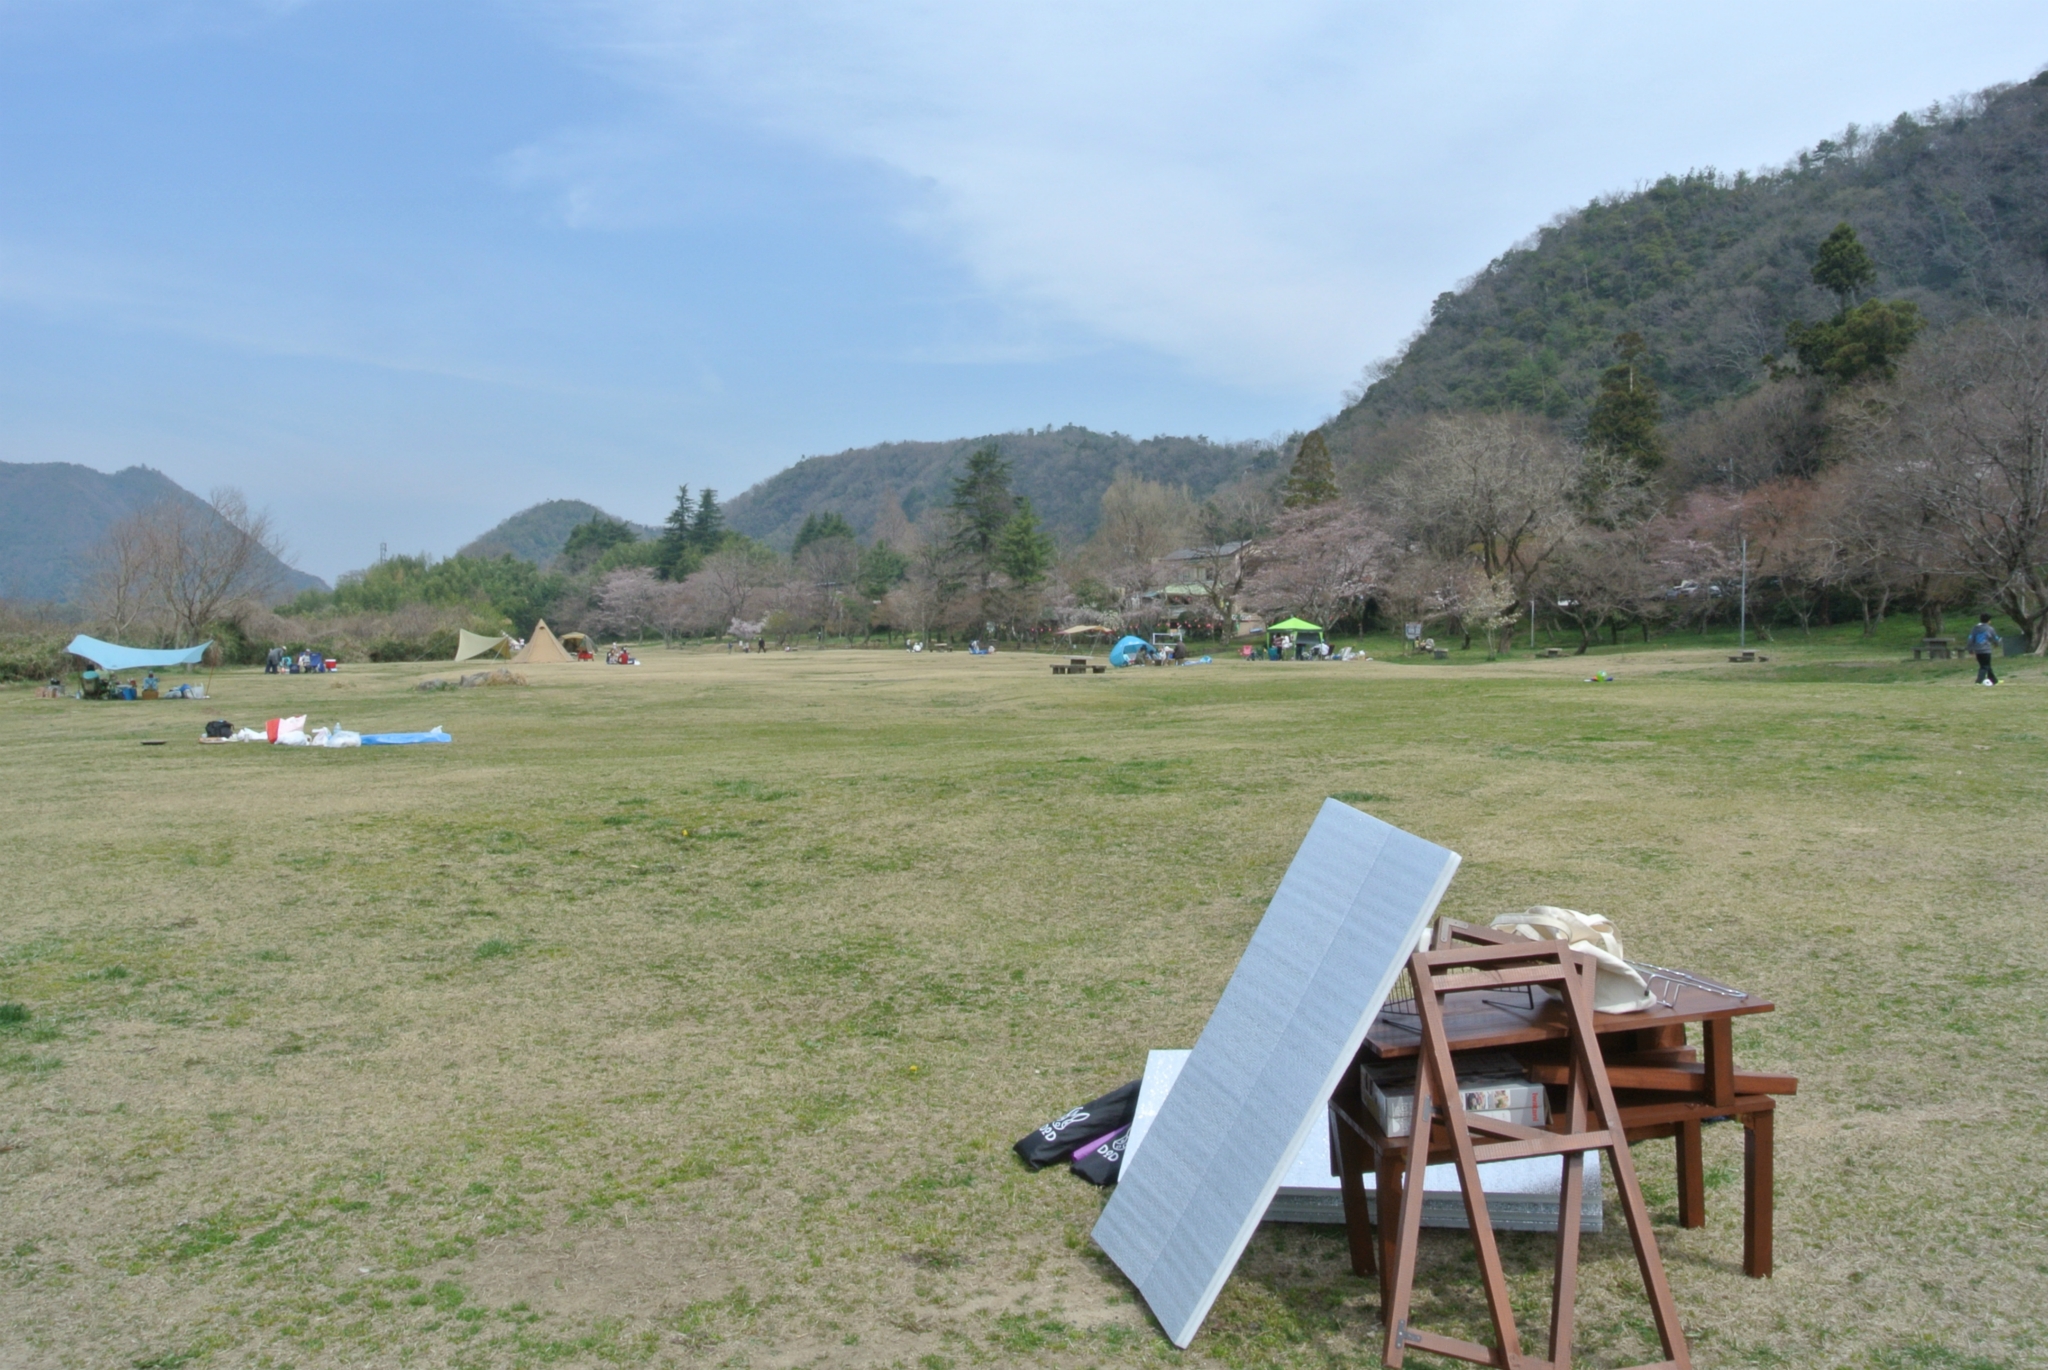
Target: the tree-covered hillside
pixel 539 532
pixel 53 515
pixel 1062 471
pixel 1711 269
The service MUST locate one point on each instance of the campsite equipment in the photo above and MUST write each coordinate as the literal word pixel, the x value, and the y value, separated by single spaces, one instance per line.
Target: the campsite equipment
pixel 470 645
pixel 433 734
pixel 112 656
pixel 1286 1031
pixel 220 728
pixel 1591 1120
pixel 1491 1084
pixel 1521 1196
pixel 1671 1092
pixel 1100 1160
pixel 1129 649
pixel 542 647
pixel 1056 1140
pixel 577 645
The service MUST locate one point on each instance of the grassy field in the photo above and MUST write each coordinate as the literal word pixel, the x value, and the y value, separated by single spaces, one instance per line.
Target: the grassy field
pixel 684 1015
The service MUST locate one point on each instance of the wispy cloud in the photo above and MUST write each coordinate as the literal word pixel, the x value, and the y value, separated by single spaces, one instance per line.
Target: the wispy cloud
pixel 1269 193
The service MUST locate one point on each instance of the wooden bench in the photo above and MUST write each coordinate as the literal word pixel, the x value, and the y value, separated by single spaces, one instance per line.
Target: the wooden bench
pixel 1553 651
pixel 1936 649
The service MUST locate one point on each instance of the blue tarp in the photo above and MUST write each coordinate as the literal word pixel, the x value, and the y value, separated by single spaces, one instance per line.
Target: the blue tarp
pixel 404 739
pixel 1127 649
pixel 112 656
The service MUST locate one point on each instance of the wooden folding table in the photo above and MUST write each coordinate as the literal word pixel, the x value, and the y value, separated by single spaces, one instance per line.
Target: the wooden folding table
pixel 1662 1088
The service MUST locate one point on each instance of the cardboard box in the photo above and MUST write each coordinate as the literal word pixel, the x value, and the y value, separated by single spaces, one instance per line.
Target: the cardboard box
pixel 1492 1083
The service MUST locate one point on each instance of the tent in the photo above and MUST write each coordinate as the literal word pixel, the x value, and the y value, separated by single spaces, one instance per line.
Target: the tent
pixel 112 656
pixel 1294 625
pixel 576 644
pixel 1129 649
pixel 476 644
pixel 542 647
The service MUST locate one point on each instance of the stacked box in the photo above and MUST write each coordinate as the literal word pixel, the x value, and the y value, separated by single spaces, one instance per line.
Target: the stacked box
pixel 1493 1084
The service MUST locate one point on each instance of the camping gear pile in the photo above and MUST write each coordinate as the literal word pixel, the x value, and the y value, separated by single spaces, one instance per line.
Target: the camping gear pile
pixel 292 732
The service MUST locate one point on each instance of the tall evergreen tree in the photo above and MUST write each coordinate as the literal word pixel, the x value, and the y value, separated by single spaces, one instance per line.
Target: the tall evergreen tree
pixel 1025 550
pixel 677 559
pixel 1313 478
pixel 1627 410
pixel 707 524
pixel 983 506
pixel 1862 340
pixel 819 527
pixel 1841 266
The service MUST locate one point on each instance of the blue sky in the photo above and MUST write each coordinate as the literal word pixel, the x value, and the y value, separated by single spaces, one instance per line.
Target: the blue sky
pixel 400 269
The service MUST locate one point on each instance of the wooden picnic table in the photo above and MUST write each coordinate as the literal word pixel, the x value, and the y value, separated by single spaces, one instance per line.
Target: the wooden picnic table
pixel 1662 1087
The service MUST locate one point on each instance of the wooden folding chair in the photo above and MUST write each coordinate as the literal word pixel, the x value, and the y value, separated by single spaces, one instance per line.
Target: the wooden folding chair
pixel 1590 1121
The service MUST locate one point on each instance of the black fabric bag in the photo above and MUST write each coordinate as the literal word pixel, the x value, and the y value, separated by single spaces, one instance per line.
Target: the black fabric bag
pixel 1056 1140
pixel 220 727
pixel 1101 1162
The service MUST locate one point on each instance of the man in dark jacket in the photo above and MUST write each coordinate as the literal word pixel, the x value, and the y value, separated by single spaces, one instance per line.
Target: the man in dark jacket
pixel 1983 638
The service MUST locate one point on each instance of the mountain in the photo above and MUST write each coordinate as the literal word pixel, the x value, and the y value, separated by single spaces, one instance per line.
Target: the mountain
pixel 537 534
pixel 1952 203
pixel 53 514
pixel 1063 471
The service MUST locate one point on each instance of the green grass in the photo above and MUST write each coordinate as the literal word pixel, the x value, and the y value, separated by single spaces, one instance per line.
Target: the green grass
pixel 685 1015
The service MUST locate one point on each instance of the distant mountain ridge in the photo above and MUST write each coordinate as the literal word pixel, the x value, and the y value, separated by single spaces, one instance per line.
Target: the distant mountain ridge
pixel 539 532
pixel 54 513
pixel 1063 471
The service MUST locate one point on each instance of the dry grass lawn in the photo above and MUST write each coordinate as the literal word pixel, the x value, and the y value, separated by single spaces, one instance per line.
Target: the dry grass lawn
pixel 684 1015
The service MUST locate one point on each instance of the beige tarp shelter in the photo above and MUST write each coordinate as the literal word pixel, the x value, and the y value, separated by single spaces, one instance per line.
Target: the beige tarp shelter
pixel 542 647
pixel 479 644
pixel 575 643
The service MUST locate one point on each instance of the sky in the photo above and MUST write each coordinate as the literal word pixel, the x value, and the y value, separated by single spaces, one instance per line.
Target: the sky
pixel 397 270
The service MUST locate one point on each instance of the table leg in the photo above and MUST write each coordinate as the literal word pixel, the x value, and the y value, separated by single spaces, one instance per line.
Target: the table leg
pixel 1692 1179
pixel 1757 1193
pixel 1718 1036
pixel 1357 1216
pixel 1387 1184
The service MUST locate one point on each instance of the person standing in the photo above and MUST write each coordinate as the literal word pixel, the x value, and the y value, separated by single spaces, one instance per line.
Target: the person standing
pixel 1983 638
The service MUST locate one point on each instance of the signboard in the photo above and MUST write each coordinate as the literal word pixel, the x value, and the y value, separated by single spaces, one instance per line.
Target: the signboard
pixel 1414 630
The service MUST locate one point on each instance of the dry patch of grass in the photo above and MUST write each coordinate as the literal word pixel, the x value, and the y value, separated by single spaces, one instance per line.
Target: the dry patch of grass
pixel 684 1014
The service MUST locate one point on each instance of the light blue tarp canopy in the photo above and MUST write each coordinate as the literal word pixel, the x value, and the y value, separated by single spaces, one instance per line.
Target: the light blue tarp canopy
pixel 1128 648
pixel 112 656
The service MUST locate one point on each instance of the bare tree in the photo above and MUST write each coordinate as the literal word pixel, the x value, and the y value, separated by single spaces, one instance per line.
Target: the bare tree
pixel 176 569
pixel 627 601
pixel 1499 488
pixel 1324 562
pixel 1972 428
pixel 728 584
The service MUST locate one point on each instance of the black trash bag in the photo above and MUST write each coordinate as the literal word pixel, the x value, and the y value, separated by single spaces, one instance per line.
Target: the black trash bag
pixel 1100 1163
pixel 1055 1141
pixel 220 727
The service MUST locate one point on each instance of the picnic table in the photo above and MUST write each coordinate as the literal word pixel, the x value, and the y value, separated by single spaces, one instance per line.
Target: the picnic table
pixel 1662 1087
pixel 1935 648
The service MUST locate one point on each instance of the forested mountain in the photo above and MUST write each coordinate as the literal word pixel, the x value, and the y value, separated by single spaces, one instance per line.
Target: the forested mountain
pixel 537 533
pixel 1062 471
pixel 1951 202
pixel 53 514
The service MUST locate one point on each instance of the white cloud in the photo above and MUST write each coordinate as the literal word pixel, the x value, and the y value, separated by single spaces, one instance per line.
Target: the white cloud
pixel 1269 193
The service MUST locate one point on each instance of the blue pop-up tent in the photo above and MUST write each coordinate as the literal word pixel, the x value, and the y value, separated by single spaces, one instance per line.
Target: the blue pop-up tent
pixel 1128 649
pixel 112 656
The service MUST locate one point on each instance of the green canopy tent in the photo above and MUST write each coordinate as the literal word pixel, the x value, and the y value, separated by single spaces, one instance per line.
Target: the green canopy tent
pixel 1301 628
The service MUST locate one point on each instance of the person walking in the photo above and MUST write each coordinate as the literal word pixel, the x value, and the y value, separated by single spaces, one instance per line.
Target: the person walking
pixel 1983 638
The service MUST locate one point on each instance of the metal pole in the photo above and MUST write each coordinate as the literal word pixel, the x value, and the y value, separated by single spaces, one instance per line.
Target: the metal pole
pixel 1532 623
pixel 1742 632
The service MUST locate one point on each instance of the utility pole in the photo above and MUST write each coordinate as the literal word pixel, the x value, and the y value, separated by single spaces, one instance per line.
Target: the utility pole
pixel 1742 631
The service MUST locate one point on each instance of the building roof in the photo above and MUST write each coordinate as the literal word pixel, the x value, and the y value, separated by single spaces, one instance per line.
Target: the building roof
pixel 1221 549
